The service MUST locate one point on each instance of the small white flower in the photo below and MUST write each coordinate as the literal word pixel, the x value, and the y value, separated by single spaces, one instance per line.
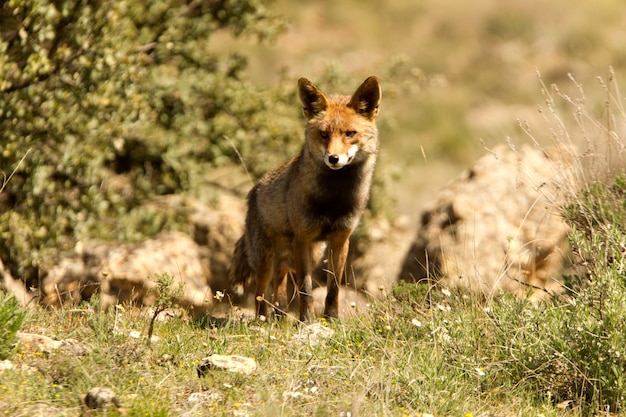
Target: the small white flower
pixel 218 295
pixel 480 372
pixel 446 292
pixel 416 323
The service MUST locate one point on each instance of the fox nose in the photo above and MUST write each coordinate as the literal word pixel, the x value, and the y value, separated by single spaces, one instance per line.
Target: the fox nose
pixel 333 159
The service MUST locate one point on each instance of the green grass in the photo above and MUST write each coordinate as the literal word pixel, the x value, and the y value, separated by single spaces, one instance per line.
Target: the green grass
pixel 420 351
pixel 379 364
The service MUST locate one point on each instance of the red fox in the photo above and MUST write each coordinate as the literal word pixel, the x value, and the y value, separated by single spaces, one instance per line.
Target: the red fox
pixel 316 197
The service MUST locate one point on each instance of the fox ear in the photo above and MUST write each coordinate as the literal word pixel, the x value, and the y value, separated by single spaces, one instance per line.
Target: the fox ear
pixel 366 98
pixel 312 99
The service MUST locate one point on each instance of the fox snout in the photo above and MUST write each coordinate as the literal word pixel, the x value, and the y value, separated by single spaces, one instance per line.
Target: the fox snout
pixel 338 161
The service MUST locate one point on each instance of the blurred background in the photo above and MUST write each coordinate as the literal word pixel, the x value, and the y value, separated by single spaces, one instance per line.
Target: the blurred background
pixel 458 77
pixel 108 107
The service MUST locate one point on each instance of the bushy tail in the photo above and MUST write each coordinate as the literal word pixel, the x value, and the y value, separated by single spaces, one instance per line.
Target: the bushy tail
pixel 240 273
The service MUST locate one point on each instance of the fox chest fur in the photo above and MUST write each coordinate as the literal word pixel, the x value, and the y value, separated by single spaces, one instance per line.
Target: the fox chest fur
pixel 334 200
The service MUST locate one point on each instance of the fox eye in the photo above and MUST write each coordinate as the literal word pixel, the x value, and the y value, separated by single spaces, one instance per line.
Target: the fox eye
pixel 324 134
pixel 350 133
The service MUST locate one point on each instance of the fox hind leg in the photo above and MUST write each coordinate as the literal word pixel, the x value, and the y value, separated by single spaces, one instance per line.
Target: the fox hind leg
pixel 281 301
pixel 263 275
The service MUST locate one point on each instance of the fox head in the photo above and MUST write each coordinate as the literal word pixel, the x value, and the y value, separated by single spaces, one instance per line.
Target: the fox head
pixel 341 129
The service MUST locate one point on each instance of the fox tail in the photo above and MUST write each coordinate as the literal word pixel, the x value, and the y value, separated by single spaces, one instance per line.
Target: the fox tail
pixel 240 273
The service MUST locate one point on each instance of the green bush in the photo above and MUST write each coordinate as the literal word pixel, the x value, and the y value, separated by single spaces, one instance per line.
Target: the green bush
pixel 593 325
pixel 115 103
pixel 598 217
pixel 12 318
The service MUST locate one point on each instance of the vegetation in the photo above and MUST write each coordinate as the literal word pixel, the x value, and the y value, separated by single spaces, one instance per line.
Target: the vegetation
pixel 166 295
pixel 115 103
pixel 422 350
pixel 107 105
pixel 12 319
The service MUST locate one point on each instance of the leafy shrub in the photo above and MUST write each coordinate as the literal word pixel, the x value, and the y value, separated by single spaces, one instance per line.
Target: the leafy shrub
pixel 12 318
pixel 593 325
pixel 114 103
pixel 598 216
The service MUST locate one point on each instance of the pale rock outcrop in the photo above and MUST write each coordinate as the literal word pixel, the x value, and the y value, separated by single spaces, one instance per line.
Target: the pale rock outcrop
pixel 498 227
pixel 125 273
pixel 15 287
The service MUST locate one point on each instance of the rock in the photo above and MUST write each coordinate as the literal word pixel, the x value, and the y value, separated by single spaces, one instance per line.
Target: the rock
pixel 45 344
pixel 313 334
pixel 216 230
pixel 42 410
pixel 205 397
pixel 15 287
pixel 376 257
pixel 38 342
pixel 101 397
pixel 74 347
pixel 6 365
pixel 121 272
pixel 498 226
pixel 128 269
pixel 231 363
pixel 216 227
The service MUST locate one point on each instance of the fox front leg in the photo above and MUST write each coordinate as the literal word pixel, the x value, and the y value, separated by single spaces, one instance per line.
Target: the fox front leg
pixel 302 257
pixel 338 252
